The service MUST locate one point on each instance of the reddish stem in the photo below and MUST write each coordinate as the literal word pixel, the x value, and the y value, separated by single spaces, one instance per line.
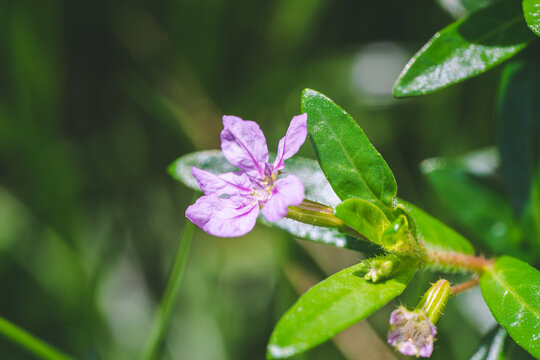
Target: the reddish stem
pixel 456 289
pixel 459 261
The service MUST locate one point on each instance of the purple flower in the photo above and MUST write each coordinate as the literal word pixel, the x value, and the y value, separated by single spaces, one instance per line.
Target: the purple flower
pixel 411 332
pixel 232 201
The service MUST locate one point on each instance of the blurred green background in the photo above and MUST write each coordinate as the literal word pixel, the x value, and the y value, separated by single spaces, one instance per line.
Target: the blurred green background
pixel 98 98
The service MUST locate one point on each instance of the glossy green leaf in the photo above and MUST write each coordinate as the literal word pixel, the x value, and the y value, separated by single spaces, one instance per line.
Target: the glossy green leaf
pixel 531 10
pixel 518 111
pixel 460 8
pixel 316 185
pixel 511 290
pixel 492 346
pixel 331 306
pixel 466 48
pixel 353 167
pixel 363 217
pixel 435 235
pixel 497 345
pixel 476 204
pixel 531 218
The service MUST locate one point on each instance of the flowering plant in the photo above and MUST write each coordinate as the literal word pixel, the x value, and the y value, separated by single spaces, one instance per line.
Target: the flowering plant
pixel 349 199
pixel 232 200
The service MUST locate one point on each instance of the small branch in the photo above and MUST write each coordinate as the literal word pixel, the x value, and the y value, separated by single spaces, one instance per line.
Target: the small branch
pixel 456 289
pixel 458 261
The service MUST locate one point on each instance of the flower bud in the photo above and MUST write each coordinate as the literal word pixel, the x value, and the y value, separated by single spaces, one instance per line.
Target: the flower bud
pixel 435 299
pixel 313 213
pixel 380 268
pixel 413 332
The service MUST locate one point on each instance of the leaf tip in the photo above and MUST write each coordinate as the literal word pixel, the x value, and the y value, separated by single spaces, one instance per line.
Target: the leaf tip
pixel 403 89
pixel 308 95
pixel 274 351
pixel 171 170
pixel 397 89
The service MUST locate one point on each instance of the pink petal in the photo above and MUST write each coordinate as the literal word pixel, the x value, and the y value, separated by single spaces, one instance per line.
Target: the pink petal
pixel 397 317
pixel 230 217
pixel 244 145
pixel 227 183
pixel 426 350
pixel 286 192
pixel 291 142
pixel 407 348
pixel 394 336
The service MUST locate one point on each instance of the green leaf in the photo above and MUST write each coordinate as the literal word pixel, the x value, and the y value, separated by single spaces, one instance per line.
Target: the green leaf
pixel 476 204
pixel 363 217
pixel 511 290
pixel 316 185
pixel 492 346
pixel 518 110
pixel 497 345
pixel 331 306
pixel 435 235
pixel 460 8
pixel 466 48
pixel 353 167
pixel 531 218
pixel 531 10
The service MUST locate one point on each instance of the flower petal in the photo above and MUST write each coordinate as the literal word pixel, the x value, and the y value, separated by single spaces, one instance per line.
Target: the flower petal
pixel 411 332
pixel 291 142
pixel 230 217
pixel 426 350
pixel 407 348
pixel 227 183
pixel 244 145
pixel 286 192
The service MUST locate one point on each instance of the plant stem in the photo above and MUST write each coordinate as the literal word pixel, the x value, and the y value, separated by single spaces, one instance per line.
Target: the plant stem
pixel 29 342
pixel 171 293
pixel 458 261
pixel 456 289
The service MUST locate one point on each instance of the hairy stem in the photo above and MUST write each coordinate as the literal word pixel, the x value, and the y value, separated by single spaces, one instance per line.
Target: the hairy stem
pixel 456 289
pixel 458 261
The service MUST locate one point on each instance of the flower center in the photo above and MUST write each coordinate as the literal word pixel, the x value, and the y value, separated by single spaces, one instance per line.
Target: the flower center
pixel 264 187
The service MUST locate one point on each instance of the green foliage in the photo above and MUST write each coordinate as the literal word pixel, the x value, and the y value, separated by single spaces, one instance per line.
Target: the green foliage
pixel 363 217
pixel 30 343
pixel 331 306
pixel 487 215
pixel 460 8
pixel 531 10
pixel 531 217
pixel 511 289
pixel 435 235
pixel 497 345
pixel 466 48
pixel 518 111
pixel 89 219
pixel 353 167
pixel 493 346
pixel 170 296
